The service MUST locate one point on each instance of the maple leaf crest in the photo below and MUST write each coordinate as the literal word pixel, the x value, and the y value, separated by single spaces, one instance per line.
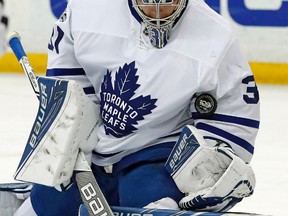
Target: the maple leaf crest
pixel 119 110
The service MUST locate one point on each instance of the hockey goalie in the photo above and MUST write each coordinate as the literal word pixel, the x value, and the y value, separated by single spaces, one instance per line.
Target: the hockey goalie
pixel 157 96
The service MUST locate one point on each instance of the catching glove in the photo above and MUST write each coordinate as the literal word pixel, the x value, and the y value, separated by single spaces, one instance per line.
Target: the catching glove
pixel 213 179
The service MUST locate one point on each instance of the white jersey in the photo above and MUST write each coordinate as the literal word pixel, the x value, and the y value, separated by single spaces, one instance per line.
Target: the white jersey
pixel 147 95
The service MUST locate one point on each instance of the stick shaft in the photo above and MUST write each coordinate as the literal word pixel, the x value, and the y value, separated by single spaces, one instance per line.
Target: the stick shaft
pixel 92 195
pixel 15 44
pixel 90 192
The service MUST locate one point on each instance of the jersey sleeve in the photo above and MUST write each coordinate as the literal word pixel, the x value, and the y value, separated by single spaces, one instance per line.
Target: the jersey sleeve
pixel 62 61
pixel 237 116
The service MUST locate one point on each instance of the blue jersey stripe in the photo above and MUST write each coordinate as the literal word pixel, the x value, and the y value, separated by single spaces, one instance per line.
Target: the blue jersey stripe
pixel 70 72
pixel 65 72
pixel 89 90
pixel 237 140
pixel 159 152
pixel 215 139
pixel 231 119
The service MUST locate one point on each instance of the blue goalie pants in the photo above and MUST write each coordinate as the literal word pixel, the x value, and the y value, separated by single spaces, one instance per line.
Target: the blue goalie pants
pixel 142 180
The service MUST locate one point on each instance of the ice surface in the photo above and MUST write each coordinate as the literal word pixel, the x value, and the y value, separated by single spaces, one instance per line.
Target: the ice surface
pixel 19 106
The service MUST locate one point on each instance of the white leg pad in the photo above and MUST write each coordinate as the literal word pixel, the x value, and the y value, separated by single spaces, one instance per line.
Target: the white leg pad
pixel 9 203
pixel 25 209
pixel 164 203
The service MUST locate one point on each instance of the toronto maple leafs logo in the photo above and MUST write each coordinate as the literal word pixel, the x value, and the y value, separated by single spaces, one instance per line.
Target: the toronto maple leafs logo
pixel 120 111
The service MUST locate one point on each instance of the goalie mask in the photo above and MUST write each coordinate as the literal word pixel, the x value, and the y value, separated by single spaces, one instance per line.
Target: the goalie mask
pixel 159 17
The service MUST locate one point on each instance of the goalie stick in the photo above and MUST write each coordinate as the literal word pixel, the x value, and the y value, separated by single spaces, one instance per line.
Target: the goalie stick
pixel 91 194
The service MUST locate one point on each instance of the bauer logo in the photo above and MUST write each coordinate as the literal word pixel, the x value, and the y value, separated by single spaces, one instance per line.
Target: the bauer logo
pixel 178 151
pixel 90 195
pixel 52 94
pixel 40 116
pixel 121 109
pixel 187 144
